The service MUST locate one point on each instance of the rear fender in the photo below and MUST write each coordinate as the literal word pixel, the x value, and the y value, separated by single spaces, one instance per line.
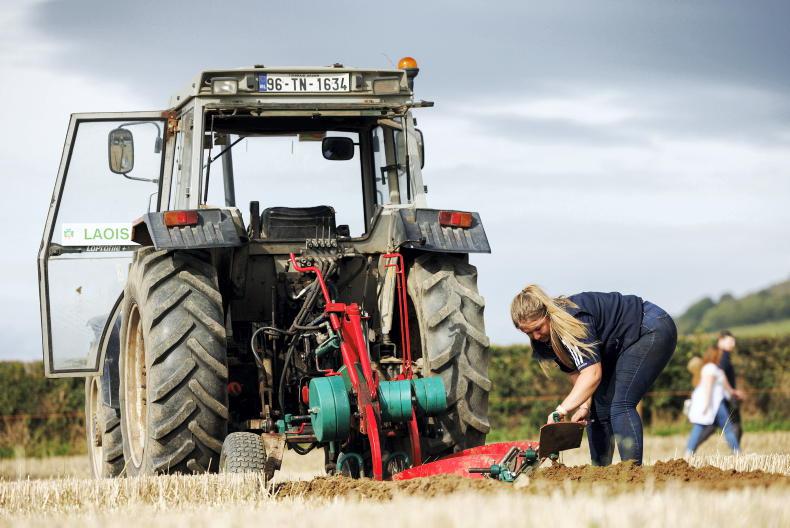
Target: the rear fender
pixel 424 232
pixel 107 340
pixel 216 228
pixel 111 350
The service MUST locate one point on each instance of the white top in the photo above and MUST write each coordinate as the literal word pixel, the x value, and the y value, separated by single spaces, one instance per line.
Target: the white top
pixel 707 397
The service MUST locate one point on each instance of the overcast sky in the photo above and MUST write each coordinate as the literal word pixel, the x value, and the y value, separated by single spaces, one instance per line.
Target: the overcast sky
pixel 637 146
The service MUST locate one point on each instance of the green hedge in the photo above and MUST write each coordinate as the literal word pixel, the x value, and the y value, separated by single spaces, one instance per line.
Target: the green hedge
pixel 41 417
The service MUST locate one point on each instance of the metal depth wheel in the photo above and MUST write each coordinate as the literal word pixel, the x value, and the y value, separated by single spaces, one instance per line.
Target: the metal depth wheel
pixel 452 339
pixel 173 364
pixel 103 432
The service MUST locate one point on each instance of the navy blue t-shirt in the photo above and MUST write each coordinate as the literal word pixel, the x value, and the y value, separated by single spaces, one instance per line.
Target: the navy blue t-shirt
pixel 613 324
pixel 726 365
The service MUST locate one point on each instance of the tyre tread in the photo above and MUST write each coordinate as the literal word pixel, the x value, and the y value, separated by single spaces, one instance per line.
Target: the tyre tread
pixel 182 315
pixel 244 452
pixel 443 290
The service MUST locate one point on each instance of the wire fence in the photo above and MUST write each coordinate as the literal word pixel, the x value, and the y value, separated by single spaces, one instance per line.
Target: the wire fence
pixel 41 416
pixel 508 399
pixel 651 394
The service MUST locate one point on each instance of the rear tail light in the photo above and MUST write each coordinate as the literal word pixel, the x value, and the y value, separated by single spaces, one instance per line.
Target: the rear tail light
pixel 181 218
pixel 455 219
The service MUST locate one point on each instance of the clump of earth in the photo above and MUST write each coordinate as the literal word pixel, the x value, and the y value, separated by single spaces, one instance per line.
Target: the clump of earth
pixel 616 478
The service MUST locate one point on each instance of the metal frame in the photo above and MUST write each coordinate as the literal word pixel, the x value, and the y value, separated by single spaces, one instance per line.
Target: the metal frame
pixel 46 241
pixel 183 183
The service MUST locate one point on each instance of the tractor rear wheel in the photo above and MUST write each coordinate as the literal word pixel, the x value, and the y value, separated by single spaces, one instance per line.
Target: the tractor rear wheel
pixel 173 364
pixel 244 453
pixel 103 428
pixel 454 345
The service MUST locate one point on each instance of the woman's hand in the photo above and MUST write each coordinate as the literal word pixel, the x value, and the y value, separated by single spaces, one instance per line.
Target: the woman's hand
pixel 581 414
pixel 557 415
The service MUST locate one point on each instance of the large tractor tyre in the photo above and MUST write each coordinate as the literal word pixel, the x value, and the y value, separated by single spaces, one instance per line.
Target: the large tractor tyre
pixel 103 428
pixel 173 364
pixel 244 453
pixel 454 345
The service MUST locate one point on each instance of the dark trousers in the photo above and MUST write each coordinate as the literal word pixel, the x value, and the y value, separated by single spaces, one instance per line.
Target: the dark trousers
pixel 624 382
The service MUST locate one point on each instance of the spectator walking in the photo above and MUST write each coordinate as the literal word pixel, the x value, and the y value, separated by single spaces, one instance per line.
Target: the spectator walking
pixel 694 367
pixel 709 403
pixel 725 343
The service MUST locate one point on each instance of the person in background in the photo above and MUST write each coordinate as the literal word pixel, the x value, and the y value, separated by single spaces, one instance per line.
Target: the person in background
pixel 694 367
pixel 709 403
pixel 726 344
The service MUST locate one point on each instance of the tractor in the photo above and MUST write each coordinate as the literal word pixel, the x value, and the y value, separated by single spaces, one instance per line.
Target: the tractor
pixel 256 269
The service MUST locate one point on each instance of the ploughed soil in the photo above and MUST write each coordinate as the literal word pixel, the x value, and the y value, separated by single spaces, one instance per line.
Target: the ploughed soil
pixel 617 478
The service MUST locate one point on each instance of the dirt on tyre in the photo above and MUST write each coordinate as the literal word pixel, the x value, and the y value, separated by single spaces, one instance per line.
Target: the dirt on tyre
pixel 453 344
pixel 244 453
pixel 103 430
pixel 173 364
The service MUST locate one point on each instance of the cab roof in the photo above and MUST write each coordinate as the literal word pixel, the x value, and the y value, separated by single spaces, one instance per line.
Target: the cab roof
pixel 298 84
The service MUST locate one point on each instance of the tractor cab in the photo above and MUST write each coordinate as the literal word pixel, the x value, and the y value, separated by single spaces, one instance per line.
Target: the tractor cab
pixel 242 149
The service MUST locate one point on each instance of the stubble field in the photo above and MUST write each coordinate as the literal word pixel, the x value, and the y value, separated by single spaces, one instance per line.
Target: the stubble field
pixel 713 487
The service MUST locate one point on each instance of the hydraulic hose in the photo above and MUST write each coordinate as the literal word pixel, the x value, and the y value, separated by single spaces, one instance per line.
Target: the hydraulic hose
pixel 294 330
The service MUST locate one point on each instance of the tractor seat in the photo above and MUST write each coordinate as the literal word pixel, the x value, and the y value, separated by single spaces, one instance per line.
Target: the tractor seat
pixel 298 223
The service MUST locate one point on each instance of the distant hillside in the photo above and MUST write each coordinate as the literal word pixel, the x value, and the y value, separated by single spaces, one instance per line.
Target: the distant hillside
pixel 707 315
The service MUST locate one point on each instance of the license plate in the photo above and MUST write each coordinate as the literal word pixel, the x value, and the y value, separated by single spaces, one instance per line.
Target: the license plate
pixel 303 82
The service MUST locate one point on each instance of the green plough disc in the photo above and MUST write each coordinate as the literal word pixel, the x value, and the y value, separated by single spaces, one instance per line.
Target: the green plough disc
pixel 430 394
pixel 395 400
pixel 330 409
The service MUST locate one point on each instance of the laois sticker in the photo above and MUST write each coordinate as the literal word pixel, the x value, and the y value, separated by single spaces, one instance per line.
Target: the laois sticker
pixel 97 234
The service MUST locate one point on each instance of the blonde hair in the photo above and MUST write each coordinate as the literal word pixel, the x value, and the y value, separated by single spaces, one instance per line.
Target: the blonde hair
pixel 532 303
pixel 694 366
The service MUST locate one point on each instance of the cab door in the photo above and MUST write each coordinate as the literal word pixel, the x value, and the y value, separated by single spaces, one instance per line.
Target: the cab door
pixel 111 172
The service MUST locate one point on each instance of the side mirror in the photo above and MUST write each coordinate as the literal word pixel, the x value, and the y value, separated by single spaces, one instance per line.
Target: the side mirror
pixel 120 144
pixel 337 148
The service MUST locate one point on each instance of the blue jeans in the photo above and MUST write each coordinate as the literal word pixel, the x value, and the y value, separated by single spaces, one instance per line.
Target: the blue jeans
pixel 624 381
pixel 722 420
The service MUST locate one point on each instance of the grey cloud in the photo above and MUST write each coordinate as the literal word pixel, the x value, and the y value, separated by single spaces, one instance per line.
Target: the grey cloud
pixel 463 48
pixel 677 110
pixel 666 57
pixel 565 131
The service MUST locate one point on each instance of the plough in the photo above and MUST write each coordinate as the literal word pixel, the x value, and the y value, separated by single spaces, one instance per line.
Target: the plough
pixel 503 461
pixel 359 416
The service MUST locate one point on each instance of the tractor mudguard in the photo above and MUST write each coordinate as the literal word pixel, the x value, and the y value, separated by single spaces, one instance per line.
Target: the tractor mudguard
pixel 425 233
pixel 109 375
pixel 215 228
pixel 107 341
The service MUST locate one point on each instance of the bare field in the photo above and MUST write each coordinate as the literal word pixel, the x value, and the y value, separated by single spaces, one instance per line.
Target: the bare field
pixel 677 507
pixel 714 451
pixel 665 494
